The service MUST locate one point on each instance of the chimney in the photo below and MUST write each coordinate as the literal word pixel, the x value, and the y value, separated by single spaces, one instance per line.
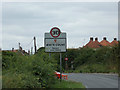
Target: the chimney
pixel 91 38
pixel 115 39
pixel 96 39
pixel 104 38
pixel 12 49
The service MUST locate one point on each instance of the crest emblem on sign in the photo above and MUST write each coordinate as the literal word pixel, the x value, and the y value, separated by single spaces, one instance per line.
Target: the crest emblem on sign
pixel 55 40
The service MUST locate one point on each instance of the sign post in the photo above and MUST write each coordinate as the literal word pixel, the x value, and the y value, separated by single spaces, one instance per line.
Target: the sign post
pixel 66 66
pixel 55 41
pixel 60 66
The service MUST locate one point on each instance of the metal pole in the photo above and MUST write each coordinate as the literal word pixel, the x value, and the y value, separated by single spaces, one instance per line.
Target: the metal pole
pixel 60 66
pixel 66 65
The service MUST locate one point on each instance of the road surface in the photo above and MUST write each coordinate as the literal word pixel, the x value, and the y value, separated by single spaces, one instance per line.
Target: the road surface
pixel 95 80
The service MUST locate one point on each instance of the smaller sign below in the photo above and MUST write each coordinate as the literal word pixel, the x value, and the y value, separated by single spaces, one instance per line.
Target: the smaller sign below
pixel 66 59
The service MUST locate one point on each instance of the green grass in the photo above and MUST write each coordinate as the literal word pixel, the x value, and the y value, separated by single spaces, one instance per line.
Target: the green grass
pixel 95 68
pixel 67 84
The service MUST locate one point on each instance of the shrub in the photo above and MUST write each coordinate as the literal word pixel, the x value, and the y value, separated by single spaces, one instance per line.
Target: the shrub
pixel 27 71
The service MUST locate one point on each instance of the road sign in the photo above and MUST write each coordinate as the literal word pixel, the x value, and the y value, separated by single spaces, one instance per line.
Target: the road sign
pixel 49 36
pixel 55 32
pixel 57 44
pixel 66 59
pixel 55 41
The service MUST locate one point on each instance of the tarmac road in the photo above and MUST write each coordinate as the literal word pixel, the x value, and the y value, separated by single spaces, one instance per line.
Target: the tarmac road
pixel 95 80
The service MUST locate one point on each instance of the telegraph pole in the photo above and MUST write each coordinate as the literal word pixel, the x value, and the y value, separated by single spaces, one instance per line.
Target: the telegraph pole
pixel 35 44
pixel 29 52
pixel 19 45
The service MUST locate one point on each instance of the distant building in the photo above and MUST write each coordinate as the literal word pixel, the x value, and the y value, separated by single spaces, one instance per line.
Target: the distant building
pixel 114 42
pixel 17 50
pixel 93 44
pixel 104 42
pixel 90 43
pixel 97 44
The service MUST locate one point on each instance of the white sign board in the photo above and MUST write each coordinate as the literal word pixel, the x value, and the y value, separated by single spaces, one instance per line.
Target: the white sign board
pixel 57 44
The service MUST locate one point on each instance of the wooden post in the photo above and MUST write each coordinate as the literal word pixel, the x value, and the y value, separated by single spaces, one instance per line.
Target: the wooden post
pixel 19 46
pixel 35 44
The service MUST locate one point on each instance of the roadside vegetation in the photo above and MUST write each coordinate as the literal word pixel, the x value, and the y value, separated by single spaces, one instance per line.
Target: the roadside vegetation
pixel 27 71
pixel 35 71
pixel 88 60
pixel 68 84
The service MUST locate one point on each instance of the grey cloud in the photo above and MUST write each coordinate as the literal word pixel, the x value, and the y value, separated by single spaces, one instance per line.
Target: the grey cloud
pixel 79 20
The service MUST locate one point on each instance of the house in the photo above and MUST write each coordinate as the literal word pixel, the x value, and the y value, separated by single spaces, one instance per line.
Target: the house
pixel 96 44
pixel 104 42
pixel 90 43
pixel 93 44
pixel 114 42
pixel 23 52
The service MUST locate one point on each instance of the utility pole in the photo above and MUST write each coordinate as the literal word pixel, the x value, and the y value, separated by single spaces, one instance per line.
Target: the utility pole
pixel 19 46
pixel 35 44
pixel 29 52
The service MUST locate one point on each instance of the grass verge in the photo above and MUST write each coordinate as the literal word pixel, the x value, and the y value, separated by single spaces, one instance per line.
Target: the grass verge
pixel 68 84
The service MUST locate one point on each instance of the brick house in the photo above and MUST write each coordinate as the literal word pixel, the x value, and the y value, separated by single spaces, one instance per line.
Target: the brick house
pixel 104 42
pixel 97 44
pixel 114 42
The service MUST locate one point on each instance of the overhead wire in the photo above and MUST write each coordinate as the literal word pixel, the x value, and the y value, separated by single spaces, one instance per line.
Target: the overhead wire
pixel 27 45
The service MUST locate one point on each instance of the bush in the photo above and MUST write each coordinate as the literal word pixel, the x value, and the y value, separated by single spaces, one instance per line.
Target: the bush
pixel 27 71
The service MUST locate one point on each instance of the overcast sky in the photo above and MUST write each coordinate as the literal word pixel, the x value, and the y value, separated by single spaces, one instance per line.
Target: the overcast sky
pixel 22 21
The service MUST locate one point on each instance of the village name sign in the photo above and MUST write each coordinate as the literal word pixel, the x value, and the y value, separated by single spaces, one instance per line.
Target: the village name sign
pixel 55 41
